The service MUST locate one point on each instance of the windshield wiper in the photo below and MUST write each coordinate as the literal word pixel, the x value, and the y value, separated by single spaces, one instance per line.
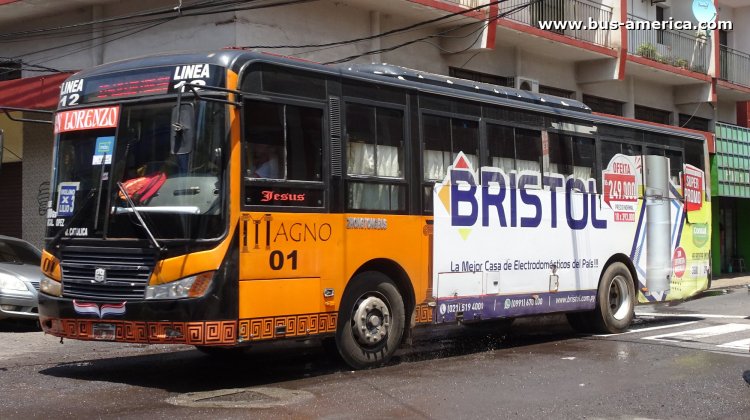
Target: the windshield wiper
pixel 138 215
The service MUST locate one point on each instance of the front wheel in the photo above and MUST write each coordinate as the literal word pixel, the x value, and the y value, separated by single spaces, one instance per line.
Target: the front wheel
pixel 615 300
pixel 371 321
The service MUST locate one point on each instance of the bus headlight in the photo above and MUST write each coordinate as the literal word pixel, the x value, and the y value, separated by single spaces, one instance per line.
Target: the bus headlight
pixel 50 286
pixel 189 287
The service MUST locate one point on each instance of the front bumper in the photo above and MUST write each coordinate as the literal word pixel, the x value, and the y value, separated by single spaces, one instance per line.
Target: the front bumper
pixel 20 305
pixel 187 321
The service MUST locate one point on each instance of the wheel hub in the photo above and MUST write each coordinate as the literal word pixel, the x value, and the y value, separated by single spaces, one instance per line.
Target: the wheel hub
pixel 371 321
pixel 619 299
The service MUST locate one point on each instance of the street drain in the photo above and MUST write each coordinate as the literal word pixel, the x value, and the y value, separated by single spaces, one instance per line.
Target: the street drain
pixel 260 397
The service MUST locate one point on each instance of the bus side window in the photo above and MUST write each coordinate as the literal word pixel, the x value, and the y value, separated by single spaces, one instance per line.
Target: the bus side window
pixel 676 165
pixel 264 153
pixel 283 141
pixel 694 153
pixel 465 138
pixel 569 155
pixel 437 147
pixel 374 151
pixel 443 138
pixel 675 162
pixel 501 147
pixel 514 148
pixel 608 150
pixel 528 150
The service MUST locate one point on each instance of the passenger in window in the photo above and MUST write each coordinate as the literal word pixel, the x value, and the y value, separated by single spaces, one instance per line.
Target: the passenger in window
pixel 265 161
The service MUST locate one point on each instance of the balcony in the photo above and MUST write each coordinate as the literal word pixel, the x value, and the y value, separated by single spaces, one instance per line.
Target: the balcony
pixel 674 48
pixel 560 11
pixel 734 66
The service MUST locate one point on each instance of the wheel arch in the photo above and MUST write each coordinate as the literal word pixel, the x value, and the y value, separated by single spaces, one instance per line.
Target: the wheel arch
pixel 624 259
pixel 397 274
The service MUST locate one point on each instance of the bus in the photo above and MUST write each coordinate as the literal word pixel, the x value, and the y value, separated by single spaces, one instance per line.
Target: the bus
pixel 227 198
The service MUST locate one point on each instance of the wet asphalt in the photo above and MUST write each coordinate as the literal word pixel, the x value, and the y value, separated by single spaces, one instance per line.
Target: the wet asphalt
pixel 540 367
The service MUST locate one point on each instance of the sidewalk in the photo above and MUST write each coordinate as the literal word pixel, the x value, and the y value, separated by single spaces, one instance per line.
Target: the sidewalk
pixel 730 280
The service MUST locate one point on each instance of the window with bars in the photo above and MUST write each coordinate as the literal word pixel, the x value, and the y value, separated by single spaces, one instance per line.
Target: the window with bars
pixel 653 115
pixel 695 123
pixel 481 77
pixel 563 93
pixel 603 105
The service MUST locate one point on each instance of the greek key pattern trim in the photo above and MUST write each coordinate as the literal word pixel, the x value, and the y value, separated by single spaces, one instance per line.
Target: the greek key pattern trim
pixel 296 326
pixel 192 333
pixel 423 314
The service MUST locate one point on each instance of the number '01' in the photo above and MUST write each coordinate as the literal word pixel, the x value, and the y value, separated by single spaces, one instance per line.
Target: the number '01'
pixel 276 259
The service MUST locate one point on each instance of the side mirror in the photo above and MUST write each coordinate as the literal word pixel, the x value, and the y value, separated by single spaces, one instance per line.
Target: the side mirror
pixel 2 147
pixel 182 132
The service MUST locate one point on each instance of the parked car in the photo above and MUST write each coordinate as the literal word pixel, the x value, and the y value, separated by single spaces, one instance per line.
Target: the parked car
pixel 19 278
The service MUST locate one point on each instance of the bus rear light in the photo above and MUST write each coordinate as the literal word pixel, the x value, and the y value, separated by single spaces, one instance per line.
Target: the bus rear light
pixel 189 287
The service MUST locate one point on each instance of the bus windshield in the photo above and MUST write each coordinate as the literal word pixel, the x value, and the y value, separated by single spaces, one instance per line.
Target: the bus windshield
pixel 178 195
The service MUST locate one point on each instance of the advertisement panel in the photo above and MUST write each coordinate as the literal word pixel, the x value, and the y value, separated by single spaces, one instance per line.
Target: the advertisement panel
pixel 530 242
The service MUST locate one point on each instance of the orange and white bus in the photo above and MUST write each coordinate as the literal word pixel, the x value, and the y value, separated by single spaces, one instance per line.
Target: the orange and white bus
pixel 220 199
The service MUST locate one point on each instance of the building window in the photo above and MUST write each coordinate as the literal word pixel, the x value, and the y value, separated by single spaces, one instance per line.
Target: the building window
pixel 563 93
pixel 652 114
pixel 10 70
pixel 695 123
pixel 481 77
pixel 603 105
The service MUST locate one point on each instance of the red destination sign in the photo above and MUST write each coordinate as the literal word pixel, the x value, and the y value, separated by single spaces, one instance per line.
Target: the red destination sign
pixel 87 119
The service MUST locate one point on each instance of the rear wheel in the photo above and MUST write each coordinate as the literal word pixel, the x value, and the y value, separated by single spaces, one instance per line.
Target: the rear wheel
pixel 615 300
pixel 371 321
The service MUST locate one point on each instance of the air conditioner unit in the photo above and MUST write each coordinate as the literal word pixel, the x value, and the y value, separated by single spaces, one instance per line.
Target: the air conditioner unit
pixel 524 83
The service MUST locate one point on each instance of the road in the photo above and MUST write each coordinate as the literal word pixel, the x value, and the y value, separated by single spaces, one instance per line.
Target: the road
pixel 677 362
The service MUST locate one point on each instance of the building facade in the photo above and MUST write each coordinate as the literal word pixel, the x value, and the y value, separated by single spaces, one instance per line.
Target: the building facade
pixel 688 78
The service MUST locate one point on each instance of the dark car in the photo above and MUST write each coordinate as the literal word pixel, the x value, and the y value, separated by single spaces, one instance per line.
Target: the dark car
pixel 19 278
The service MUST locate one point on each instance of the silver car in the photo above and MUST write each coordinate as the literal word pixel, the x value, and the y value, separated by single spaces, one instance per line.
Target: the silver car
pixel 19 278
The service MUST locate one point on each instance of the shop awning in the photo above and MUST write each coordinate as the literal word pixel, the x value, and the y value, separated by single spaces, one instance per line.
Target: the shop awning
pixel 40 92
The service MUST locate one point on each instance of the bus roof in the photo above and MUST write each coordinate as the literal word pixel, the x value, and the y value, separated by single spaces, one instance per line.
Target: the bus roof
pixel 237 59
pixel 403 73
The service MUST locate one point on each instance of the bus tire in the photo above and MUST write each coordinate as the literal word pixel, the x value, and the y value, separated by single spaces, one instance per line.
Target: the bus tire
pixel 615 300
pixel 371 321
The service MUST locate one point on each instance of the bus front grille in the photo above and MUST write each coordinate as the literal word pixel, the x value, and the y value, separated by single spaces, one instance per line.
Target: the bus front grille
pixel 111 274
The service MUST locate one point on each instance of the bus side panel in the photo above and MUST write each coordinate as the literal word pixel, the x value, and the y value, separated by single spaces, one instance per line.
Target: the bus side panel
pixel 404 240
pixel 290 274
